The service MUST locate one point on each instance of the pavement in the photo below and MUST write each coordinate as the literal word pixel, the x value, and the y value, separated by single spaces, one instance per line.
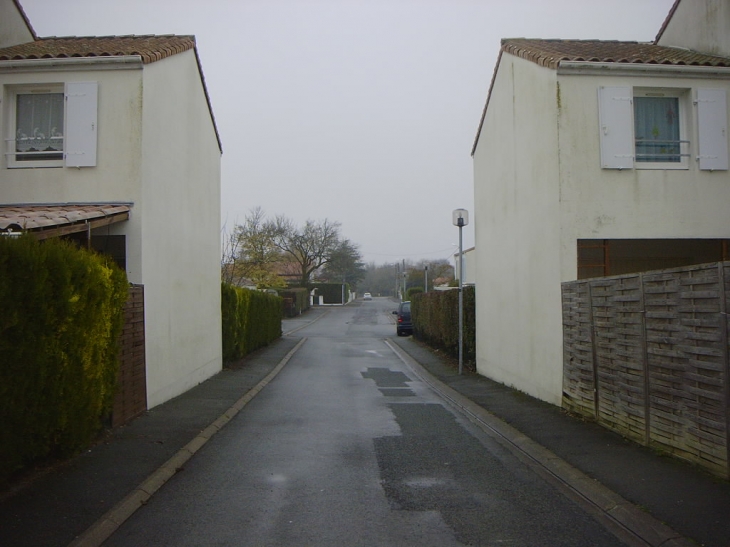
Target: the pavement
pixel 644 497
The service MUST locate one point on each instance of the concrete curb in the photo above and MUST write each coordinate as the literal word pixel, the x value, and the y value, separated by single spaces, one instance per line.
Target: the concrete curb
pixel 625 520
pixel 100 531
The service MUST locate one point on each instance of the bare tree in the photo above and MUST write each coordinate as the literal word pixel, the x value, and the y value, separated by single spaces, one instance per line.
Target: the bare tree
pixel 251 255
pixel 309 247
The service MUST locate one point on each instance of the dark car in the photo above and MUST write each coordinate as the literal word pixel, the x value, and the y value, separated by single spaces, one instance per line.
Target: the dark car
pixel 403 325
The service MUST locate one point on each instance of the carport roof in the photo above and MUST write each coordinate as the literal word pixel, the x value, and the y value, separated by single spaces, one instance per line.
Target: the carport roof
pixel 55 220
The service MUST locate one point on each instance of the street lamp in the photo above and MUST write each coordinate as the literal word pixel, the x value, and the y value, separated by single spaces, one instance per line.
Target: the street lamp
pixel 460 218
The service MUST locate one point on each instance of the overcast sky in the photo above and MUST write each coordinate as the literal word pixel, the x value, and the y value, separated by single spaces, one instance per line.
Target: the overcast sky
pixel 358 111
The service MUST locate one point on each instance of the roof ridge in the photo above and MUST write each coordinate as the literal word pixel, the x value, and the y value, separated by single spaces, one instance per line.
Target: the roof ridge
pixel 113 36
pixel 550 52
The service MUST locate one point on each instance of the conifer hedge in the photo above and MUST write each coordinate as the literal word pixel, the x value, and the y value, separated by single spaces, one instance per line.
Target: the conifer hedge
pixel 251 320
pixel 332 292
pixel 435 317
pixel 62 315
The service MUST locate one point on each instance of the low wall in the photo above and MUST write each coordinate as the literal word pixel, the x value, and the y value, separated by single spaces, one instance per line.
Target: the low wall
pixel 131 397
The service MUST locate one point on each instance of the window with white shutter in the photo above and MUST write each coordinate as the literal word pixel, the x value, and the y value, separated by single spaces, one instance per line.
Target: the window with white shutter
pixel 616 127
pixel 712 129
pixel 81 112
pixel 648 128
pixel 51 125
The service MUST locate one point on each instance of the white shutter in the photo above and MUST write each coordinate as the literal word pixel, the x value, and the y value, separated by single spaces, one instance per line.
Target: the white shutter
pixel 616 126
pixel 81 114
pixel 712 128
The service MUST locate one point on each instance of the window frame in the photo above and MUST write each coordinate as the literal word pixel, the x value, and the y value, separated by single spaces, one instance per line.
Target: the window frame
pixel 80 120
pixel 12 93
pixel 685 148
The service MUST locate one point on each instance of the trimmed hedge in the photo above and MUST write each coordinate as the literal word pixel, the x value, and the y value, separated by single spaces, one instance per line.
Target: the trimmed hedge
pixel 62 315
pixel 251 320
pixel 331 292
pixel 413 291
pixel 435 317
pixel 296 301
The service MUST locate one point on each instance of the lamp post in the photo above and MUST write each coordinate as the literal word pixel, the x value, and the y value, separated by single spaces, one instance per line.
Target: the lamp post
pixel 460 218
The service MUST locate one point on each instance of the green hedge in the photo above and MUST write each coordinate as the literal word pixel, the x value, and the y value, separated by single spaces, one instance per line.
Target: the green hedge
pixel 251 320
pixel 435 317
pixel 62 315
pixel 331 292
pixel 296 301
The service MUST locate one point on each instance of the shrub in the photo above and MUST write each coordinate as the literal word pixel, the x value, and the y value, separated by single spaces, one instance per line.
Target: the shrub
pixel 412 291
pixel 251 320
pixel 59 329
pixel 435 317
pixel 332 292
pixel 296 300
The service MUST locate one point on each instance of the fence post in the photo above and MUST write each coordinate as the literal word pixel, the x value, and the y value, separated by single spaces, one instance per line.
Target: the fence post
pixel 726 359
pixel 594 353
pixel 645 363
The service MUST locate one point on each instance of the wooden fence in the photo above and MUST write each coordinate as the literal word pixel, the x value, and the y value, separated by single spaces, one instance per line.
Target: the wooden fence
pixel 646 355
pixel 131 397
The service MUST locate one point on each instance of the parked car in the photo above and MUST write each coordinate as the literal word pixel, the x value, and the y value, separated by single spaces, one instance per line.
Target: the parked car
pixel 367 296
pixel 403 324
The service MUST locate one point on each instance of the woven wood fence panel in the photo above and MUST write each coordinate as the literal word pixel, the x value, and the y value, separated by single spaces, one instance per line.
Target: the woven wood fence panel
pixel 131 397
pixel 646 355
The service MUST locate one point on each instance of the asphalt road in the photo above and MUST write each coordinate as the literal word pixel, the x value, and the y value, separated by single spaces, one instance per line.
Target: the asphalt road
pixel 347 447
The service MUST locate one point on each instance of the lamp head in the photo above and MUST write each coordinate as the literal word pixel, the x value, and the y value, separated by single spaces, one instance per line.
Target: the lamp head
pixel 460 217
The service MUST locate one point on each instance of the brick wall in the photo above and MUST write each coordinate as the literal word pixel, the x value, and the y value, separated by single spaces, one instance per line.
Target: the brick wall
pixel 131 397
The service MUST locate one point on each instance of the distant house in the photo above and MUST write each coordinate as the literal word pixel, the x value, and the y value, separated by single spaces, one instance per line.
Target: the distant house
pixel 111 140
pixel 595 158
pixel 469 266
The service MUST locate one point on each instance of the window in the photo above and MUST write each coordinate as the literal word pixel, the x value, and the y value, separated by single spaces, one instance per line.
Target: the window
pixel 38 132
pixel 51 125
pixel 657 129
pixel 642 128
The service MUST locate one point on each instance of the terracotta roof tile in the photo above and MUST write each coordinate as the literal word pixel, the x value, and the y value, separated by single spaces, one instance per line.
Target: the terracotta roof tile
pixel 39 217
pixel 549 53
pixel 150 48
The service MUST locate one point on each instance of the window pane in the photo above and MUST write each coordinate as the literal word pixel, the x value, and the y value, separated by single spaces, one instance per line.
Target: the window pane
pixel 39 126
pixel 656 128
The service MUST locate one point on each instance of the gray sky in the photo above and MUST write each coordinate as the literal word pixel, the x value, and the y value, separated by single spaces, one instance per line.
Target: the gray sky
pixel 359 111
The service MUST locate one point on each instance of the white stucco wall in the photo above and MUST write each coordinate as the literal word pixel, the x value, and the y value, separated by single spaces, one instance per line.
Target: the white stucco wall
pixel 517 232
pixel 469 266
pixel 156 149
pixel 180 235
pixel 532 207
pixel 700 25
pixel 13 29
pixel 117 175
pixel 632 203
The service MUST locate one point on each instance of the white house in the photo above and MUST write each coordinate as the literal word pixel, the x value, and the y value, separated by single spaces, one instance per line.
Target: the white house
pixel 113 139
pixel 469 259
pixel 595 158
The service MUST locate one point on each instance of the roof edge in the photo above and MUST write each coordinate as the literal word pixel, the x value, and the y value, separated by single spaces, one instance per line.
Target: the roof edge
pixel 25 18
pixel 668 18
pixel 207 98
pixel 486 105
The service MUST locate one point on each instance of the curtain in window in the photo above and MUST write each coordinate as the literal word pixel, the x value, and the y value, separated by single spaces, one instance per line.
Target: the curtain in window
pixel 656 129
pixel 39 126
